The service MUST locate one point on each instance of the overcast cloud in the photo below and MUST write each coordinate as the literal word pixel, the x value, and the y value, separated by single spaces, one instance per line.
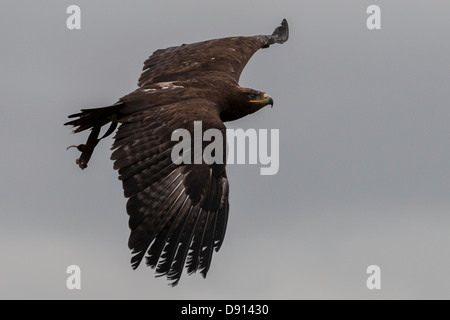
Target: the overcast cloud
pixel 364 172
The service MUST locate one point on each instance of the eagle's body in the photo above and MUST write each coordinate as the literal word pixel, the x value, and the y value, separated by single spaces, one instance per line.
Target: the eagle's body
pixel 177 212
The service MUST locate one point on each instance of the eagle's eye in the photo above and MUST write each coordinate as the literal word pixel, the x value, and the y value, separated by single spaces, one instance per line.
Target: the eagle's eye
pixel 253 96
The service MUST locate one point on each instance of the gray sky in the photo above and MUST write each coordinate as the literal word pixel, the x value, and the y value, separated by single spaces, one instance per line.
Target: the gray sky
pixel 364 150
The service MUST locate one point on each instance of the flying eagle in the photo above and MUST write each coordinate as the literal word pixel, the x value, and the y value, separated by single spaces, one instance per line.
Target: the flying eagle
pixel 177 212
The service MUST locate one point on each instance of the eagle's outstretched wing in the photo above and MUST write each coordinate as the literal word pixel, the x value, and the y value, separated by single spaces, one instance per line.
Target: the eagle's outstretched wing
pixel 227 56
pixel 176 211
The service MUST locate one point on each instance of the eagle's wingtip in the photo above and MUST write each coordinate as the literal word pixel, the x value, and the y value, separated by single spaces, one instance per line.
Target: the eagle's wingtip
pixel 281 33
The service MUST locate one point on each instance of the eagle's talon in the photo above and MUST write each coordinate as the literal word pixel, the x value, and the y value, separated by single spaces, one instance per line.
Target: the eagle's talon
pixel 80 147
pixel 81 164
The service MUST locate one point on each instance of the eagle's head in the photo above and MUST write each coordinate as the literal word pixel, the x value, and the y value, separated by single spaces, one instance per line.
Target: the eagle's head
pixel 245 101
pixel 259 99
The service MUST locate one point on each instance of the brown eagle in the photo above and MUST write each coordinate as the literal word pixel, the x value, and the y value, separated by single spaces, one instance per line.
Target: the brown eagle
pixel 177 212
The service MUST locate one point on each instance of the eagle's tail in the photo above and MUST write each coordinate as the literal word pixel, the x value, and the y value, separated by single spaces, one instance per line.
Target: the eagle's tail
pixel 93 119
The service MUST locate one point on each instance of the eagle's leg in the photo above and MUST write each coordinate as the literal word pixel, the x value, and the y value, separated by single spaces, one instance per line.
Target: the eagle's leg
pixel 88 148
pixel 92 141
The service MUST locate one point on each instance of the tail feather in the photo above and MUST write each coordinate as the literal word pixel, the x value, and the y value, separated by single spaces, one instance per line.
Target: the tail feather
pixel 89 118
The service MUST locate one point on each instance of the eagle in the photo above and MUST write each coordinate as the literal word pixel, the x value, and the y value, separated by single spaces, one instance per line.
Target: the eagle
pixel 178 212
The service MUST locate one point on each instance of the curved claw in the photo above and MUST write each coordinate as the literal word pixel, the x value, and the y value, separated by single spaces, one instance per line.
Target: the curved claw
pixel 79 147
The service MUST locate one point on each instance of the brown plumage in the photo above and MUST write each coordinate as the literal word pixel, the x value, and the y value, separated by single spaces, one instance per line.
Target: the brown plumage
pixel 177 212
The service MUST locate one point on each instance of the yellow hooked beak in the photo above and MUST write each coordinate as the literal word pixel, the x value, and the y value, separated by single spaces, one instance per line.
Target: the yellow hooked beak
pixel 265 101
